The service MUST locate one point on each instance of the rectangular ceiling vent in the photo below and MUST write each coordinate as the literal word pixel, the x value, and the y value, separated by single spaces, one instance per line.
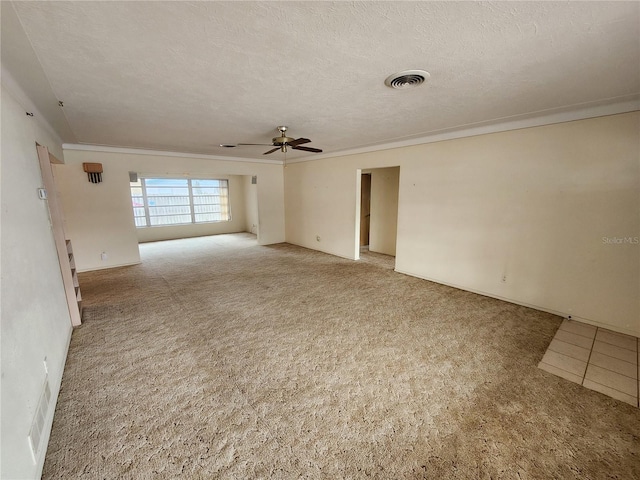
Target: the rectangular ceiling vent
pixel 37 427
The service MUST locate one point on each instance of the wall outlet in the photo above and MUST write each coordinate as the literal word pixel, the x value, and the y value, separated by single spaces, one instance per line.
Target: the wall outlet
pixel 504 279
pixel 104 256
pixel 317 238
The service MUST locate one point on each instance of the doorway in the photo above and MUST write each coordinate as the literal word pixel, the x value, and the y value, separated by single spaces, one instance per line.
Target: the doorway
pixel 378 210
pixel 365 210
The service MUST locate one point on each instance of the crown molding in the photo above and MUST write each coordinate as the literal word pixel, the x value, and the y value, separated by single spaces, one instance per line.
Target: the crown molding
pixel 603 108
pixel 626 104
pixel 139 151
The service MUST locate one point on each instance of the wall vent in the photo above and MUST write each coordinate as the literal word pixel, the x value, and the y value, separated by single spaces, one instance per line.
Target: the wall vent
pixel 37 427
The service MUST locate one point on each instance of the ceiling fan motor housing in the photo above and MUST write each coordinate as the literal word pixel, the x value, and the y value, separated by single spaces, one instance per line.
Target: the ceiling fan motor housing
pixel 282 140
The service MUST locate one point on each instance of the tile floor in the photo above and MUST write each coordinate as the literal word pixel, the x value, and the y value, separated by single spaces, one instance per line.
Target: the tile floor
pixel 599 359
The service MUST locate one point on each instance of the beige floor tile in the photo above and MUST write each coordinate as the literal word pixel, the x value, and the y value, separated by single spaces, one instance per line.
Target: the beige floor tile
pixel 578 328
pixel 612 380
pixel 615 365
pixel 611 392
pixel 573 351
pixel 598 358
pixel 564 362
pixel 616 352
pixel 618 339
pixel 560 373
pixel 574 339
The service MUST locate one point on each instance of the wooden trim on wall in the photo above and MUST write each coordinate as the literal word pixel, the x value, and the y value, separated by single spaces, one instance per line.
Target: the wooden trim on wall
pixel 57 227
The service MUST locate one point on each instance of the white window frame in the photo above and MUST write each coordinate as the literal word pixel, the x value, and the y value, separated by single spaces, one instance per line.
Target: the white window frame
pixel 148 216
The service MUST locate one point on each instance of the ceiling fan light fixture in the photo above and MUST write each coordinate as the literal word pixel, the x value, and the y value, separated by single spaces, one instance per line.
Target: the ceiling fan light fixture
pixel 407 79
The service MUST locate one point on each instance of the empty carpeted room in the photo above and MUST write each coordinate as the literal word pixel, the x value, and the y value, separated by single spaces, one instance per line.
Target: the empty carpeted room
pixel 320 240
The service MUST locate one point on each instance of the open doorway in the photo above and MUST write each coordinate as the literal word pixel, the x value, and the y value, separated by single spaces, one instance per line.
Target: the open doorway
pixel 365 210
pixel 378 212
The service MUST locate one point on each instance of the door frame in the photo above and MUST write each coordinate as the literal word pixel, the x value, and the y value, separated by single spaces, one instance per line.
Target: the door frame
pixel 364 221
pixel 359 173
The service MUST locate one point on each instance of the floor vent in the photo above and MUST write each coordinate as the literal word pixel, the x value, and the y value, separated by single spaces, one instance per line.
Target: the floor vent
pixel 37 427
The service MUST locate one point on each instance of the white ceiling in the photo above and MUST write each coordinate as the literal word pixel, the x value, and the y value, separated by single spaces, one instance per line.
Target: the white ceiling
pixel 182 76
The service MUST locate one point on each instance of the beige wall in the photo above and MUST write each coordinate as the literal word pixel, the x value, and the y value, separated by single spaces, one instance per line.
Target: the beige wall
pixel 384 210
pixel 320 201
pixel 533 207
pixel 99 217
pixel 251 205
pixel 35 318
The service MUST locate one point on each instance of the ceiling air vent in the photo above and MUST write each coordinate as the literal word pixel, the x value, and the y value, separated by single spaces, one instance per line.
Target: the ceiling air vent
pixel 406 79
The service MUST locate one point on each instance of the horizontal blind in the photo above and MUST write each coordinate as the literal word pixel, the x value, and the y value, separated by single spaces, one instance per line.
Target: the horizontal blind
pixel 178 201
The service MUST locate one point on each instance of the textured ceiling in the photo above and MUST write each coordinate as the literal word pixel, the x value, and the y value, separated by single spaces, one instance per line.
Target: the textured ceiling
pixel 184 76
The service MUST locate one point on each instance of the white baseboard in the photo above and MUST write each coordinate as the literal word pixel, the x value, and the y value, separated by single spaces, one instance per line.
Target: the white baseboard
pixel 529 305
pixel 106 267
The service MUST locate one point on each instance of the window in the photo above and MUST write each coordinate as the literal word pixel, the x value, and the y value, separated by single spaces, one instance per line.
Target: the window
pixel 176 201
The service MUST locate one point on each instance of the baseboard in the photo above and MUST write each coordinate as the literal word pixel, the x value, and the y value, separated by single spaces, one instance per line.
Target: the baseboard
pixel 541 308
pixel 321 251
pixel 107 267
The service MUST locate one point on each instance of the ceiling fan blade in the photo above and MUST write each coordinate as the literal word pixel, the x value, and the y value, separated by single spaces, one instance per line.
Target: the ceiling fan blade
pixel 299 141
pixel 308 149
pixel 233 145
pixel 271 151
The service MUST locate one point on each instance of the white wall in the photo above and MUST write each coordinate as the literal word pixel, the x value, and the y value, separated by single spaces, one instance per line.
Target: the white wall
pixel 531 205
pixel 250 205
pixel 99 217
pixel 236 224
pixel 35 317
pixel 320 201
pixel 384 210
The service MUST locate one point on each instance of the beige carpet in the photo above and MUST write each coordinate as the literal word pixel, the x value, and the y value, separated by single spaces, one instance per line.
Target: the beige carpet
pixel 218 358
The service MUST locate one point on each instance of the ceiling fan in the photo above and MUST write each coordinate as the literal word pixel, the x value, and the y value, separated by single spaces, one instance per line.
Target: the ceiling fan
pixel 281 143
